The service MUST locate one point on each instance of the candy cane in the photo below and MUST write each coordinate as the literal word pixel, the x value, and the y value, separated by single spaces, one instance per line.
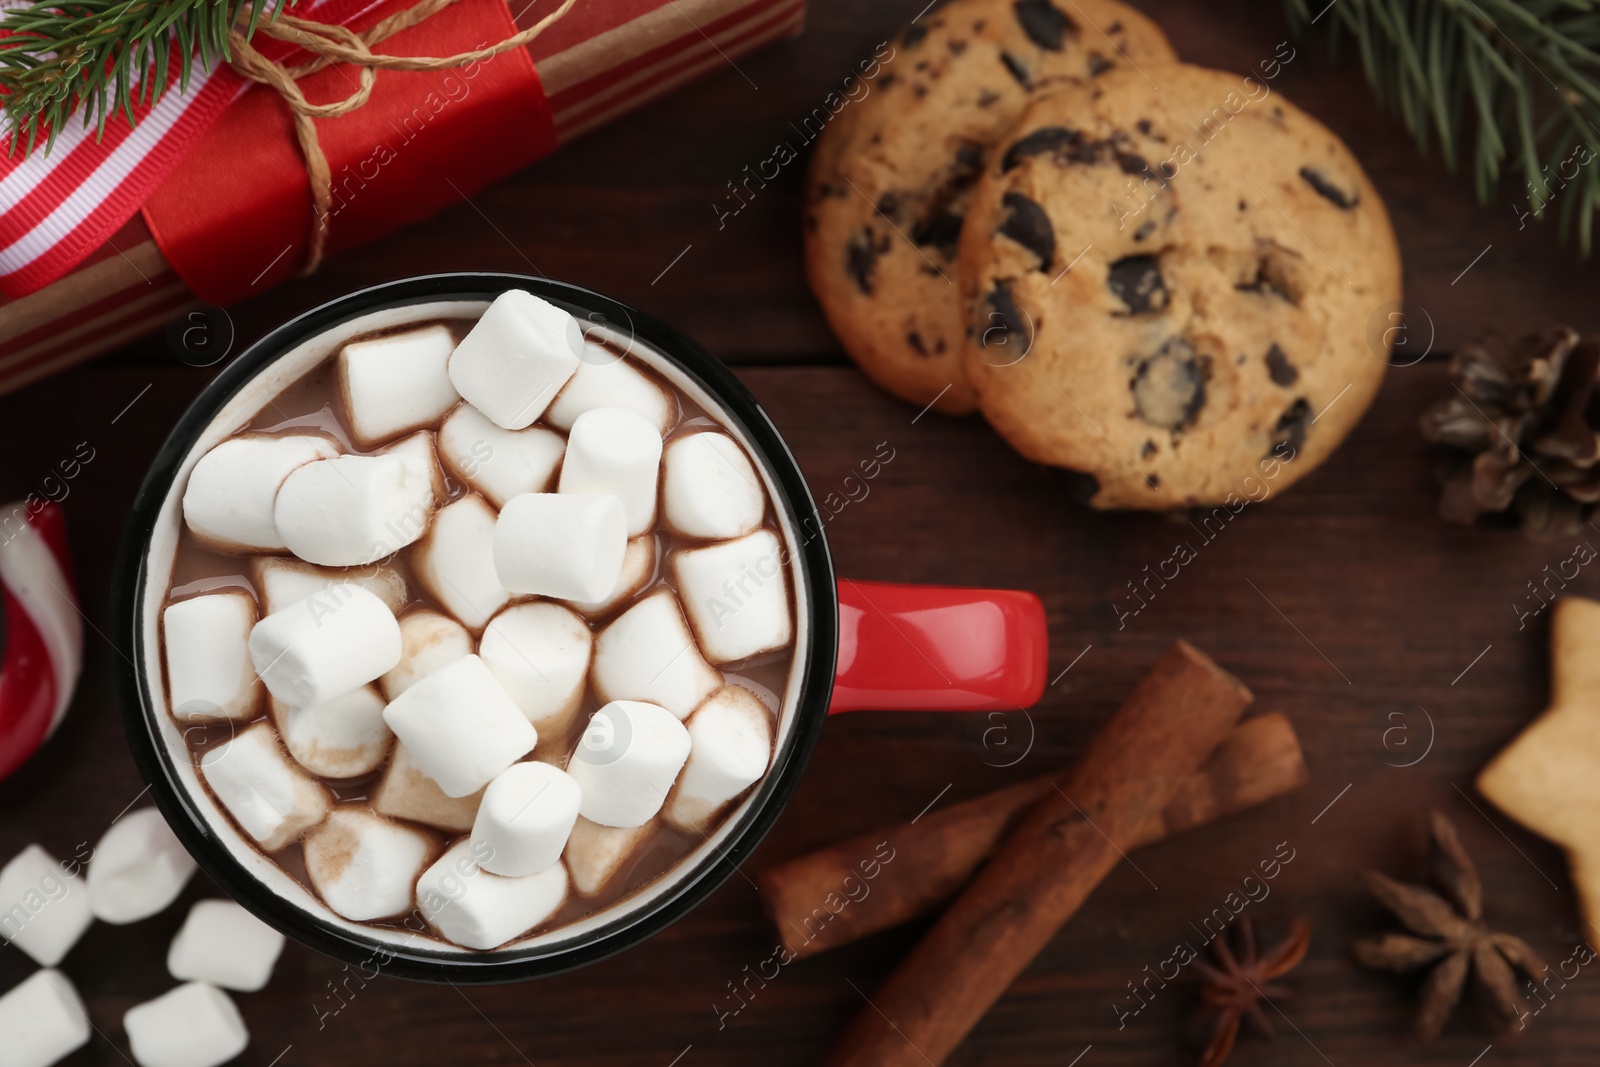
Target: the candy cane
pixel 44 631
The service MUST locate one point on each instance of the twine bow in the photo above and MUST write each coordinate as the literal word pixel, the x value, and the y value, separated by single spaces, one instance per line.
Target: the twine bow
pixel 339 44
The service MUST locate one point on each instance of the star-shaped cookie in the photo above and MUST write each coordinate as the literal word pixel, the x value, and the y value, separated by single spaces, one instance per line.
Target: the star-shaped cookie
pixel 1548 779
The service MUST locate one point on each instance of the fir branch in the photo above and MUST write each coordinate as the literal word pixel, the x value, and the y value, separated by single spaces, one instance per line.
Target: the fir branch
pixel 1515 83
pixel 101 56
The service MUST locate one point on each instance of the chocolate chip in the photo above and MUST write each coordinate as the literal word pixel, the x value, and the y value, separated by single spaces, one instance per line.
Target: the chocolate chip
pixel 1046 139
pixel 914 35
pixel 941 231
pixel 1340 199
pixel 969 161
pixel 1145 229
pixel 1081 485
pixel 1169 388
pixel 886 81
pixel 1279 368
pixel 1147 450
pixel 1018 71
pixel 1291 429
pixel 956 47
pixel 861 254
pixel 1045 24
pixel 988 98
pixel 1027 224
pixel 919 90
pixel 914 339
pixel 1133 163
pixel 1006 324
pixel 1098 64
pixel 889 205
pixel 1152 481
pixel 1137 282
pixel 1144 126
pixel 1115 27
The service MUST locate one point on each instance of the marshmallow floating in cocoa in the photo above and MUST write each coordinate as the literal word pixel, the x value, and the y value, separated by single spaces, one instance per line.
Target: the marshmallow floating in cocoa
pixel 364 866
pixel 43 1019
pixel 516 358
pixel 638 567
pixel 605 379
pixel 456 562
pixel 563 545
pixel 428 641
pixel 648 653
pixel 709 489
pixel 222 943
pixel 499 463
pixel 420 447
pixel 736 595
pixel 268 795
pixel 629 757
pixel 351 510
pixel 526 815
pixel 340 738
pixel 406 793
pixel 540 653
pixel 615 450
pixel 325 645
pixel 476 909
pixel 730 746
pixel 138 868
pixel 596 854
pixel 194 1025
pixel 43 905
pixel 396 383
pixel 233 489
pixel 460 726
pixel 209 673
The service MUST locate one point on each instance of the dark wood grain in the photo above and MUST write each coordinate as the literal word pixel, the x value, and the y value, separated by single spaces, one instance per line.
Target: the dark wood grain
pixel 1346 604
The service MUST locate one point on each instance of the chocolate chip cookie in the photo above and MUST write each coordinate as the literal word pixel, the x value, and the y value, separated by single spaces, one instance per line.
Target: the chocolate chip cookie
pixel 1168 275
pixel 893 169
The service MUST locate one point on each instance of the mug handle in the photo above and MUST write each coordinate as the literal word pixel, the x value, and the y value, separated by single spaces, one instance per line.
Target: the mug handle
pixel 938 648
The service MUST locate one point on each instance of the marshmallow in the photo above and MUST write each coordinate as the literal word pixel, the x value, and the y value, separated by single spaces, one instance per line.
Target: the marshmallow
pixel 563 545
pixel 498 463
pixel 419 446
pixel 194 1025
pixel 730 746
pixel 354 509
pixel 280 581
pixel 364 866
pixel 460 726
pixel 709 489
pixel 209 674
pixel 406 793
pixel 229 500
pixel 605 379
pixel 456 562
pixel 476 909
pixel 271 799
pixel 396 383
pixel 225 945
pixel 516 358
pixel 540 653
pixel 138 868
pixel 638 567
pixel 616 451
pixel 736 595
pixel 629 757
pixel 345 737
pixel 647 653
pixel 44 908
pixel 527 813
pixel 596 854
pixel 428 641
pixel 43 1019
pixel 325 645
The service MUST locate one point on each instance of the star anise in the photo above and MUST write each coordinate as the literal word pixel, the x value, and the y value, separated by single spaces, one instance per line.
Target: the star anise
pixel 1523 417
pixel 1452 935
pixel 1236 986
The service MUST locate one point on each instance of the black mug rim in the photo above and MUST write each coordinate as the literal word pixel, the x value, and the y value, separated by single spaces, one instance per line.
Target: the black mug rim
pixel 626 931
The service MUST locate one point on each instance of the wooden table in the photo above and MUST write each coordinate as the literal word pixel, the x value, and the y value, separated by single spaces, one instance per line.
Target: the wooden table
pixel 1346 604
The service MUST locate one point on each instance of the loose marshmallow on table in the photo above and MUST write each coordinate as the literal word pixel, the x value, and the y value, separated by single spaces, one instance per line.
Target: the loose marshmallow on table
pixel 638 567
pixel 616 451
pixel 461 727
pixel 43 1019
pixel 222 943
pixel 340 738
pixel 456 562
pixel 476 909
pixel 266 792
pixel 428 641
pixel 596 854
pixel 44 909
pixel 540 652
pixel 563 545
pixel 419 446
pixel 281 580
pixel 731 745
pixel 138 868
pixel 229 500
pixel 647 653
pixel 364 866
pixel 516 358
pixel 709 489
pixel 527 813
pixel 629 757
pixel 396 383
pixel 737 596
pixel 406 793
pixel 605 379
pixel 325 645
pixel 209 673
pixel 194 1025
pixel 354 509
pixel 498 463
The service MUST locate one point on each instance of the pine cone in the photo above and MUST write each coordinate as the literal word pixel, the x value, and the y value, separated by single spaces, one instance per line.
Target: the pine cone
pixel 1523 421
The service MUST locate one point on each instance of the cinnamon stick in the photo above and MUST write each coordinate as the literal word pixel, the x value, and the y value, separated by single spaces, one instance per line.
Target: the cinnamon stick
pixel 892 875
pixel 1044 871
